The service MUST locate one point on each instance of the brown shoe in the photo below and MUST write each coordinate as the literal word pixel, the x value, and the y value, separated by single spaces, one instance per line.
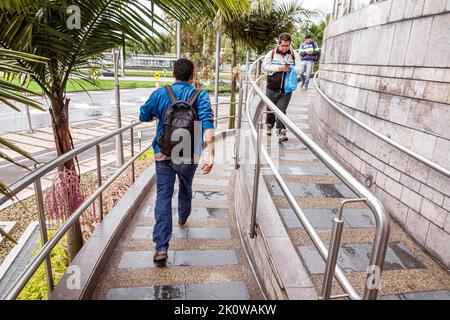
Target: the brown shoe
pixel 282 135
pixel 269 130
pixel 160 257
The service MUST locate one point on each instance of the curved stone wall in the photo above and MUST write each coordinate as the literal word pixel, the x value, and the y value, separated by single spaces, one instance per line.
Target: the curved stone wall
pixel 388 65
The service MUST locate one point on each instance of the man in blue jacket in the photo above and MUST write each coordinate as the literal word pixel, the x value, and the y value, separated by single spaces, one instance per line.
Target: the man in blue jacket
pixel 166 167
pixel 309 50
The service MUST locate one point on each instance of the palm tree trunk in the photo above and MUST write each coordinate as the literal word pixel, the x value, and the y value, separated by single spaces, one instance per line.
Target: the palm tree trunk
pixel 233 83
pixel 64 144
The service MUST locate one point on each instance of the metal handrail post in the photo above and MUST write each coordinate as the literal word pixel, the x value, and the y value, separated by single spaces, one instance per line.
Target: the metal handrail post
pixel 43 233
pixel 133 171
pixel 99 180
pixel 140 140
pixel 217 76
pixel 239 124
pixel 257 174
pixel 333 252
pixel 256 182
pixel 378 255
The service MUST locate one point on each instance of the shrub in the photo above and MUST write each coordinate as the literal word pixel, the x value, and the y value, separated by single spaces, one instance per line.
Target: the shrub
pixel 36 288
pixel 147 155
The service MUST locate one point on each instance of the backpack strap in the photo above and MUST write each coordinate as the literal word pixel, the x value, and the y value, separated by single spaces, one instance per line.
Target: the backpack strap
pixel 171 94
pixel 292 54
pixel 194 97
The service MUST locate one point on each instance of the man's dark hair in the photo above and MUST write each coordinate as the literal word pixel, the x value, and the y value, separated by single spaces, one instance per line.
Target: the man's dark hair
pixel 308 36
pixel 285 37
pixel 183 69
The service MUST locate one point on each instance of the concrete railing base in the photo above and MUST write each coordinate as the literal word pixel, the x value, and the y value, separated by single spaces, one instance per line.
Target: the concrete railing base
pixel 80 280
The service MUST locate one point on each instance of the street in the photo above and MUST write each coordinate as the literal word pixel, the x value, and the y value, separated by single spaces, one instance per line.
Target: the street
pixel 83 106
pixel 10 172
pixel 91 116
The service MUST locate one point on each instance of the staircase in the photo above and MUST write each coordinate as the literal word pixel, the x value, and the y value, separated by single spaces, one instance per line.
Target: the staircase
pixel 409 273
pixel 206 258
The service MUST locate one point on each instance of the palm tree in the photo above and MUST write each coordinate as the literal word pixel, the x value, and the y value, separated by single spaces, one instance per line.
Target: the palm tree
pixel 316 30
pixel 72 37
pixel 9 93
pixel 264 27
pixel 258 28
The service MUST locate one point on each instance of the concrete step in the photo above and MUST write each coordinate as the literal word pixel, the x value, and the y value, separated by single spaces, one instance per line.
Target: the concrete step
pixel 206 258
pixel 409 272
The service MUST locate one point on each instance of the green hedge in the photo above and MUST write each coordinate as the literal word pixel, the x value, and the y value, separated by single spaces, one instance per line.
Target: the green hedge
pixel 223 88
pixel 36 289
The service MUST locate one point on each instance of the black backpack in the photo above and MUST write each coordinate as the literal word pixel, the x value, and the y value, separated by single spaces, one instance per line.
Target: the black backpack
pixel 179 115
pixel 318 52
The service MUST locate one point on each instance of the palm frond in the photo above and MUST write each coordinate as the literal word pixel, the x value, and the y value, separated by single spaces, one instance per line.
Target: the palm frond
pixel 11 146
pixel 10 91
pixel 260 27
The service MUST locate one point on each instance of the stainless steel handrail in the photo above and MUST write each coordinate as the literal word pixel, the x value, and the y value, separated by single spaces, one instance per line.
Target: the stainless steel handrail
pixel 35 177
pixel 23 183
pixel 382 218
pixel 396 145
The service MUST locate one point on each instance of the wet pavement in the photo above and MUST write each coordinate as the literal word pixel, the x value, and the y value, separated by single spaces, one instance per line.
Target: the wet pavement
pixel 425 295
pixel 142 232
pixel 211 291
pixel 144 259
pixel 355 258
pixel 316 190
pixel 323 218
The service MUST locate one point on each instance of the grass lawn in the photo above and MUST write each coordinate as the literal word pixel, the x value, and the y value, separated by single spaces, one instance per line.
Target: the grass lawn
pixel 103 84
pixel 137 73
pixel 81 85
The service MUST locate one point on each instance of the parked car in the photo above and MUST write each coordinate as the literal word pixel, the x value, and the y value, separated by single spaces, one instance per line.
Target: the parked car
pixel 106 73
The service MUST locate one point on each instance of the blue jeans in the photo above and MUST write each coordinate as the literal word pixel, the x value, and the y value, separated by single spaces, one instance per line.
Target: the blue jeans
pixel 305 74
pixel 166 171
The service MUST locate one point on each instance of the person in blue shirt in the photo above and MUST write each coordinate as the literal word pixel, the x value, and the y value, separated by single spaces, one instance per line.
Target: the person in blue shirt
pixel 167 168
pixel 309 50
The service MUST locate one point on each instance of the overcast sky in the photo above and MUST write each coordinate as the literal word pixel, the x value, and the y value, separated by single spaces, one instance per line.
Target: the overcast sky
pixel 323 5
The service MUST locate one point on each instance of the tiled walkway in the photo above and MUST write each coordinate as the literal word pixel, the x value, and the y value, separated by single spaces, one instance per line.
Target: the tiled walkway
pixel 207 261
pixel 206 258
pixel 409 273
